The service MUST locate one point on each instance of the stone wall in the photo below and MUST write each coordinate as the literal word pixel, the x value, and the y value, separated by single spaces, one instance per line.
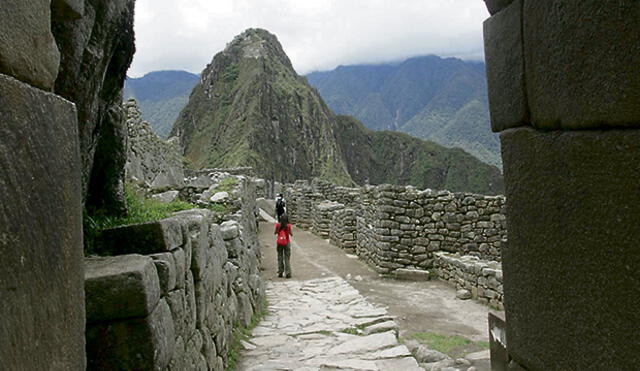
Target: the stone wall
pixel 323 217
pixel 151 161
pixel 343 230
pixel 41 286
pixel 563 93
pixel 480 278
pixel 398 228
pixel 172 301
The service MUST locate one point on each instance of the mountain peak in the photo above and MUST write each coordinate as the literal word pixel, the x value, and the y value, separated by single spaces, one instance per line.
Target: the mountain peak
pixel 250 108
pixel 257 43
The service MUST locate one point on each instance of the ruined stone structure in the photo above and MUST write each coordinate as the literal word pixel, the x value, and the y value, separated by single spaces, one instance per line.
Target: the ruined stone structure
pixel 151 161
pixel 395 228
pixel 171 297
pixel 565 96
pixel 481 278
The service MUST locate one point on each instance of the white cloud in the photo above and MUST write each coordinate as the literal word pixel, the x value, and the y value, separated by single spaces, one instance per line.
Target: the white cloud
pixel 316 34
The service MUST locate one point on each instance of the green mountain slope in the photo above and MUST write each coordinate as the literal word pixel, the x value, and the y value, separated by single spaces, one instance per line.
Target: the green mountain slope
pixel 392 157
pixel 161 95
pixel 251 109
pixel 443 100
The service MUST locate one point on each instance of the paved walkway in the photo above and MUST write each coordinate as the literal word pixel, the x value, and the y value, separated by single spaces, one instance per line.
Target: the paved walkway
pixel 324 324
pixel 314 316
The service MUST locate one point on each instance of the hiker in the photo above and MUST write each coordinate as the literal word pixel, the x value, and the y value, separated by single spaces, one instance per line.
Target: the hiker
pixel 280 206
pixel 283 230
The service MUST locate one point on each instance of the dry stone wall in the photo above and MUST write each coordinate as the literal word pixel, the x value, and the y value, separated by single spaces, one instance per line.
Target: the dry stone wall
pixel 400 227
pixel 480 278
pixel 343 229
pixel 172 297
pixel 151 161
pixel 323 217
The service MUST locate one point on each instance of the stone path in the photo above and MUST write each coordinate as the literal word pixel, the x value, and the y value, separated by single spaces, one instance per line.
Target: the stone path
pixel 324 324
pixel 314 315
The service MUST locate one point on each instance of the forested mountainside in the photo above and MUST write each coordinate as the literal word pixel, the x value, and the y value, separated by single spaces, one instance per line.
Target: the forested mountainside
pixel 443 100
pixel 161 95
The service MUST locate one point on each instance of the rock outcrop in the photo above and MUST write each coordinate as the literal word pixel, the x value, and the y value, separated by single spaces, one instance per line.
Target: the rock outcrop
pixel 150 160
pixel 252 109
pixel 96 51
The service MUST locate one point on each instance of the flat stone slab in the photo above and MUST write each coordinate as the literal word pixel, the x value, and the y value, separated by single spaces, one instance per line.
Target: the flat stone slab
pixel 311 325
pixel 411 274
pixel 145 238
pixel 120 287
pixel 166 197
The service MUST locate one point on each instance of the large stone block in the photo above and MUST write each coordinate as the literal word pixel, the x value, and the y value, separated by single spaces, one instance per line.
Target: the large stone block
pixel 95 53
pixel 145 238
pixel 166 267
pixel 572 213
pixel 118 287
pixel 42 312
pixel 28 50
pixel 67 9
pixel 582 61
pixel 136 344
pixel 503 45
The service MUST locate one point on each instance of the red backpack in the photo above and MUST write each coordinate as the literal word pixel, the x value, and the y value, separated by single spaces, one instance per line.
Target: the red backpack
pixel 282 237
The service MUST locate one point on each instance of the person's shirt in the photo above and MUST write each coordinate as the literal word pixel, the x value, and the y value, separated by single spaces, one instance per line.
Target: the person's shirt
pixel 287 230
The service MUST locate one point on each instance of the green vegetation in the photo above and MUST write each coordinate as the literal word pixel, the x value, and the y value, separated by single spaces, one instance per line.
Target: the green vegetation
pixel 355 330
pixel 227 185
pixel 217 207
pixel 454 346
pixel 230 73
pixel 240 334
pixel 139 210
pixel 443 100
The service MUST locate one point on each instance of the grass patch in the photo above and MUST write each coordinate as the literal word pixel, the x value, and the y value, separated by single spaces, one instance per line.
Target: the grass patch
pixel 454 346
pixel 241 333
pixel 226 185
pixel 217 207
pixel 139 210
pixel 355 330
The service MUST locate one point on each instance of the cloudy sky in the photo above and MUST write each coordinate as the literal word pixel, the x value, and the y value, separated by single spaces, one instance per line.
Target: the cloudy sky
pixel 316 34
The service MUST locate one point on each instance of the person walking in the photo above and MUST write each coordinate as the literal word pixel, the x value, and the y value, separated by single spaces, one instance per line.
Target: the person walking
pixel 283 242
pixel 280 206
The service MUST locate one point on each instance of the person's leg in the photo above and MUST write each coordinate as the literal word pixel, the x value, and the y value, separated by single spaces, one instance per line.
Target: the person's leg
pixel 280 250
pixel 287 259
